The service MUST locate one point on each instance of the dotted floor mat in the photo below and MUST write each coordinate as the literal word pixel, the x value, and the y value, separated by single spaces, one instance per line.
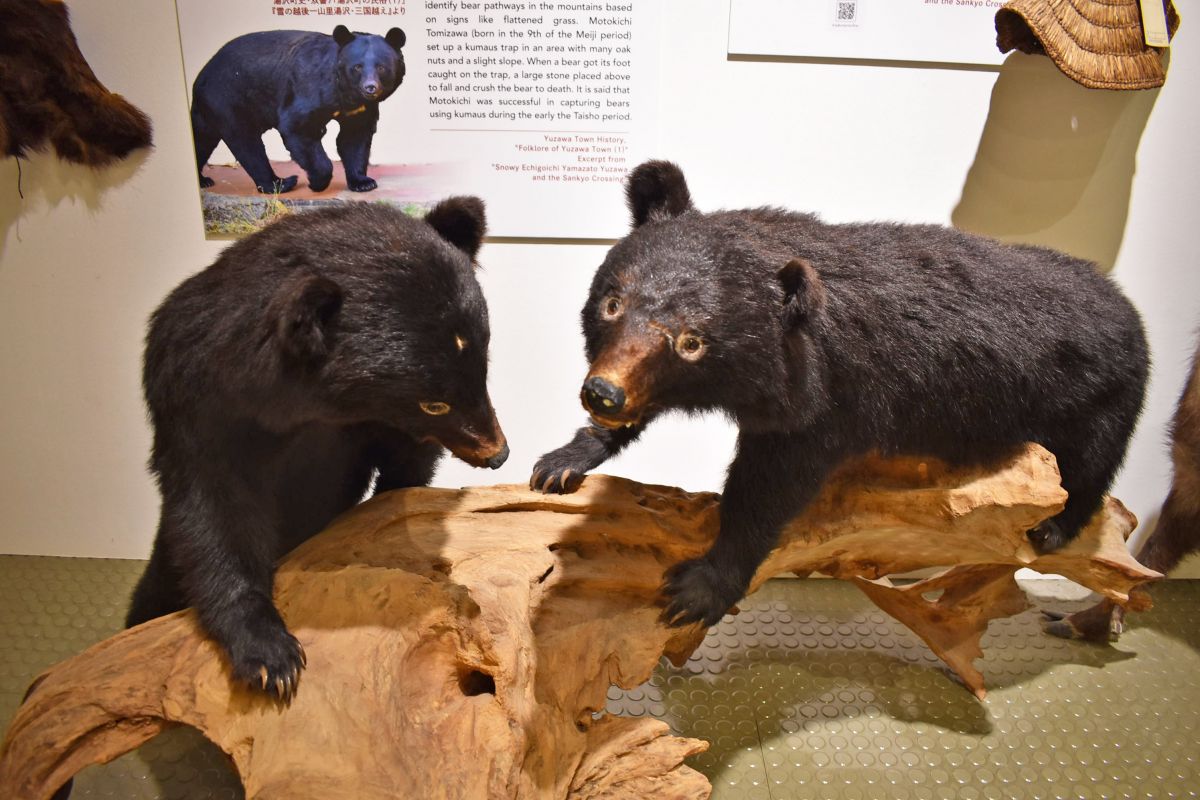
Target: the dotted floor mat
pixel 810 692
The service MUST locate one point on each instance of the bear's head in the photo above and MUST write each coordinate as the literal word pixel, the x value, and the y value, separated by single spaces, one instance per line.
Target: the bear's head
pixel 684 313
pixel 383 319
pixel 369 67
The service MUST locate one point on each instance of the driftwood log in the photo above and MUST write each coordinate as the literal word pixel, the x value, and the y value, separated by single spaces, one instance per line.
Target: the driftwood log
pixel 461 643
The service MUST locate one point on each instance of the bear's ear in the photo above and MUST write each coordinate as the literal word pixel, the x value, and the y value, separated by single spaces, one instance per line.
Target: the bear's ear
pixel 656 190
pixel 803 293
pixel 303 311
pixel 396 38
pixel 461 222
pixel 342 35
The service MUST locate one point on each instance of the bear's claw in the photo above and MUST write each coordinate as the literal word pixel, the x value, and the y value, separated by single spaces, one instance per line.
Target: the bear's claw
pixel 362 185
pixel 696 591
pixel 266 657
pixel 555 473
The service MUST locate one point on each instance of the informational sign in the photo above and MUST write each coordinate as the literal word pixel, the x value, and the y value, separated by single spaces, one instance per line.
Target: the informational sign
pixel 949 31
pixel 541 108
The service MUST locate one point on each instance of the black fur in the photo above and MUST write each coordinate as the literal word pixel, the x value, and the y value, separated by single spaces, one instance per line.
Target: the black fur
pixel 280 380
pixel 296 82
pixel 825 342
pixel 462 223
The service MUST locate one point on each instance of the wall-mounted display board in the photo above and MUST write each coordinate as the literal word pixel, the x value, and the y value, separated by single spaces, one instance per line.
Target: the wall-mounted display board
pixel 539 107
pixel 947 31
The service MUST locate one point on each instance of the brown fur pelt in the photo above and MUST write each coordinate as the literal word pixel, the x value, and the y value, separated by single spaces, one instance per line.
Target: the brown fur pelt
pixel 1178 531
pixel 49 96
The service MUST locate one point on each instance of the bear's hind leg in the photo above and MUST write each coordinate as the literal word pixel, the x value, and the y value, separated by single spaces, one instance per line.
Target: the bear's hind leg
pixel 250 152
pixel 206 140
pixel 1086 476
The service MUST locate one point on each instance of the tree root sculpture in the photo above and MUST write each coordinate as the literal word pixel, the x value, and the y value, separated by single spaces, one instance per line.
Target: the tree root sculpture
pixel 461 643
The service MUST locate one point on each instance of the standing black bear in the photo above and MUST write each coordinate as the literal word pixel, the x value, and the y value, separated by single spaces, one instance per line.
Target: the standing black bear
pixel 331 347
pixel 828 341
pixel 295 82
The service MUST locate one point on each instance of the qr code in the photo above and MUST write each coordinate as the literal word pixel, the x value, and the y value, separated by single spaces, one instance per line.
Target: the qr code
pixel 847 10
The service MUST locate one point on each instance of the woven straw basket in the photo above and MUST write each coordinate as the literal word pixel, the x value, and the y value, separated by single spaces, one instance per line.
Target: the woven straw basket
pixel 1098 43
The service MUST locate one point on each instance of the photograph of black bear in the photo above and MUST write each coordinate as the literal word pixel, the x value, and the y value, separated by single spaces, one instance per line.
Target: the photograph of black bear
pixel 335 350
pixel 296 82
pixel 823 342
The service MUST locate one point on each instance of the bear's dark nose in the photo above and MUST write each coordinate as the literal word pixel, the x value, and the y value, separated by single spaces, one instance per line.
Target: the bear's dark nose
pixel 370 89
pixel 602 397
pixel 495 461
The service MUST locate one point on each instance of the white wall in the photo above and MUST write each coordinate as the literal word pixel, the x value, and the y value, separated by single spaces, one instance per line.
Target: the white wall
pixel 1023 153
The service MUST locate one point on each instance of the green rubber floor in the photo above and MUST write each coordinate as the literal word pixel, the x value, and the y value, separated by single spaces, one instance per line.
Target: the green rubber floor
pixel 810 692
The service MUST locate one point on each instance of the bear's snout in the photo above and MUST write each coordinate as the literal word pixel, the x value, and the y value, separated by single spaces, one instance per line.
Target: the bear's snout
pixel 476 439
pixel 497 461
pixel 602 397
pixel 371 89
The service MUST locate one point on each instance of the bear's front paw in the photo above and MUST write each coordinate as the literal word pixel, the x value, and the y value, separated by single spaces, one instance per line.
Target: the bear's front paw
pixel 265 656
pixel 361 184
pixel 206 182
pixel 557 472
pixel 698 591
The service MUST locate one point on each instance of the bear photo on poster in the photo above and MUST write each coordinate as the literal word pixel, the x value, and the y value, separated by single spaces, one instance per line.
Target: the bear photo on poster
pixel 826 342
pixel 296 82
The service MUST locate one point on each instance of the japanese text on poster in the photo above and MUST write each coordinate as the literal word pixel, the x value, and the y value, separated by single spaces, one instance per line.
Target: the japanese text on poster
pixel 541 108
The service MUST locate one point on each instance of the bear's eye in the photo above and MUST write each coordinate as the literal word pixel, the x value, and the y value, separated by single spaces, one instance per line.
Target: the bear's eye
pixel 689 346
pixel 358 69
pixel 611 307
pixel 436 408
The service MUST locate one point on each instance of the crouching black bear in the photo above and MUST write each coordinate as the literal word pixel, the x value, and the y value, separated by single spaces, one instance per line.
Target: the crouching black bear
pixel 332 348
pixel 828 341
pixel 296 82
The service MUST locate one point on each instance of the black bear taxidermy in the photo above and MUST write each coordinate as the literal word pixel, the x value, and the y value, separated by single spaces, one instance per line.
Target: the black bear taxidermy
pixel 334 350
pixel 824 342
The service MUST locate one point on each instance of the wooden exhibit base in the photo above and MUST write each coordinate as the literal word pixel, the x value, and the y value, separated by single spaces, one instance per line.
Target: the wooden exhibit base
pixel 461 643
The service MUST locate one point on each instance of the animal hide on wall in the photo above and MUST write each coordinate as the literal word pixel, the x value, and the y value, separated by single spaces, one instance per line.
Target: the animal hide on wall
pixel 49 96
